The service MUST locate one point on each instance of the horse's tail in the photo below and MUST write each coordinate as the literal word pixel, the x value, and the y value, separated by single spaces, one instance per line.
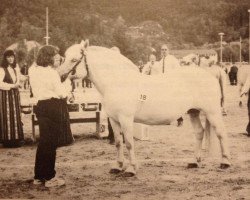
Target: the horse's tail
pixel 210 141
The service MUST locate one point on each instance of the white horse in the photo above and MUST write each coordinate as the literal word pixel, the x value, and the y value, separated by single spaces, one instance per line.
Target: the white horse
pixel 129 96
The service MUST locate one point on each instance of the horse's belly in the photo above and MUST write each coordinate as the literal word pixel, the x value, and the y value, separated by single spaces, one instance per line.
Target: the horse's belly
pixel 162 111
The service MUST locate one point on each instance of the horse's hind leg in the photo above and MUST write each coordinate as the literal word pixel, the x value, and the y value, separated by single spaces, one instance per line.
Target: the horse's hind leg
pixel 118 165
pixel 127 129
pixel 217 124
pixel 199 133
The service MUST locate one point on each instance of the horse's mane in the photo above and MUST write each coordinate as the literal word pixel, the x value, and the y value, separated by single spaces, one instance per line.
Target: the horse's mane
pixel 108 55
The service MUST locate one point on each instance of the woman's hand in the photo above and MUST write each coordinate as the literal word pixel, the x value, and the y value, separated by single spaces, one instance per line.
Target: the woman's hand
pixel 71 98
pixel 15 86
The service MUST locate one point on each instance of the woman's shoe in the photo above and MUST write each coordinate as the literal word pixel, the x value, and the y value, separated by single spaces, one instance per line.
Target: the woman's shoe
pixel 54 182
pixel 38 182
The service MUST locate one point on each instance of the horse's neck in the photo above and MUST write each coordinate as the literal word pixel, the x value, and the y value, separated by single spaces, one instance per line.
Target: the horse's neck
pixel 107 74
pixel 111 80
pixel 105 80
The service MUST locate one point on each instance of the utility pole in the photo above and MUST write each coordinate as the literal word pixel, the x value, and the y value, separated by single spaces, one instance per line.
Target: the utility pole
pixel 240 51
pixel 47 26
pixel 221 36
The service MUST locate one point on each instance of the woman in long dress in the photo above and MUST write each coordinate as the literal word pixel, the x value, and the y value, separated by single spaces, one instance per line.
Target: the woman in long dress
pixel 11 129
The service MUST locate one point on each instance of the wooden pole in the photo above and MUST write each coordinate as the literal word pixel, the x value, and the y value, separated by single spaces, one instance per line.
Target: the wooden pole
pixel 240 51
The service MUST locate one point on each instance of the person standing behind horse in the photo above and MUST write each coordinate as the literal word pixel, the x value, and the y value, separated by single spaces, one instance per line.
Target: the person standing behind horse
pixel 147 68
pixel 246 90
pixel 52 115
pixel 166 63
pixel 11 129
pixel 140 66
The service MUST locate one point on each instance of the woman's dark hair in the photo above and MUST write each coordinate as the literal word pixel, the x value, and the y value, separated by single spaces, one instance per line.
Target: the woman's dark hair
pixel 45 56
pixel 6 54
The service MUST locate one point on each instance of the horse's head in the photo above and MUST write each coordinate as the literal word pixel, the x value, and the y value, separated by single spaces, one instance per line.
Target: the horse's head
pixel 190 58
pixel 75 61
pixel 207 60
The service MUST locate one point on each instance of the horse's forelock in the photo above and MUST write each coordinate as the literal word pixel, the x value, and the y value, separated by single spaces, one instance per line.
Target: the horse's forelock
pixel 73 50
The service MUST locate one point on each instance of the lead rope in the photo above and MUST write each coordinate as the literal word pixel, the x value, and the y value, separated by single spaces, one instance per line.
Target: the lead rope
pixel 86 63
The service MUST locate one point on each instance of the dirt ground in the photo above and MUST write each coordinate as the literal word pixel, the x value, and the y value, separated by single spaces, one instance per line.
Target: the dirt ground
pixel 162 174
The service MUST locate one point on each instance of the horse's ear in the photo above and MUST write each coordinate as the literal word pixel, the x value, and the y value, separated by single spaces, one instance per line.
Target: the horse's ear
pixel 86 44
pixel 82 43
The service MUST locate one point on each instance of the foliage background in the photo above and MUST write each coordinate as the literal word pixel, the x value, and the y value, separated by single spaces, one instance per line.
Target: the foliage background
pixel 135 26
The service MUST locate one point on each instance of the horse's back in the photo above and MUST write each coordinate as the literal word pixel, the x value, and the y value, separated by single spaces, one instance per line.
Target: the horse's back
pixel 175 93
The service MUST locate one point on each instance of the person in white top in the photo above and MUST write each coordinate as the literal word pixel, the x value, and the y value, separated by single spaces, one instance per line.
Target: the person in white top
pixel 148 67
pixel 166 63
pixel 244 91
pixel 52 114
pixel 11 129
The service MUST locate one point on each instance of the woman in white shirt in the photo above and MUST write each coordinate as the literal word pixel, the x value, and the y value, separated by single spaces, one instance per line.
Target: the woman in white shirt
pixel 52 114
pixel 11 129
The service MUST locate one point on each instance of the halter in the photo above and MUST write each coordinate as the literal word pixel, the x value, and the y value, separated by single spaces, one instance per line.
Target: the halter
pixel 73 70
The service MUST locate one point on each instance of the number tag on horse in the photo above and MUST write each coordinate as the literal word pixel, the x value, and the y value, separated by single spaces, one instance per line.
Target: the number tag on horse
pixel 142 97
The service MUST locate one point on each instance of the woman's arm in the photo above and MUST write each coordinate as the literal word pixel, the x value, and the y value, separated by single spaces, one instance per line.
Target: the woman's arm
pixel 246 87
pixel 59 88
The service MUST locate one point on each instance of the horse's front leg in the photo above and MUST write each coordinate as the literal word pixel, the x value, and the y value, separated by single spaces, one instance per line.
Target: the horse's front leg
pixel 127 127
pixel 118 165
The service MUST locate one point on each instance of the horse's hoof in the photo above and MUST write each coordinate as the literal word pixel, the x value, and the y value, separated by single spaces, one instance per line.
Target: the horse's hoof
pixel 192 165
pixel 224 165
pixel 130 171
pixel 114 171
pixel 128 174
pixel 116 168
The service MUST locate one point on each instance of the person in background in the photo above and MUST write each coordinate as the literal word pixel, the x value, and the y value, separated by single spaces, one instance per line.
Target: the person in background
pixel 147 68
pixel 191 60
pixel 233 74
pixel 52 115
pixel 11 128
pixel 140 66
pixel 166 63
pixel 244 91
pixel 24 72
